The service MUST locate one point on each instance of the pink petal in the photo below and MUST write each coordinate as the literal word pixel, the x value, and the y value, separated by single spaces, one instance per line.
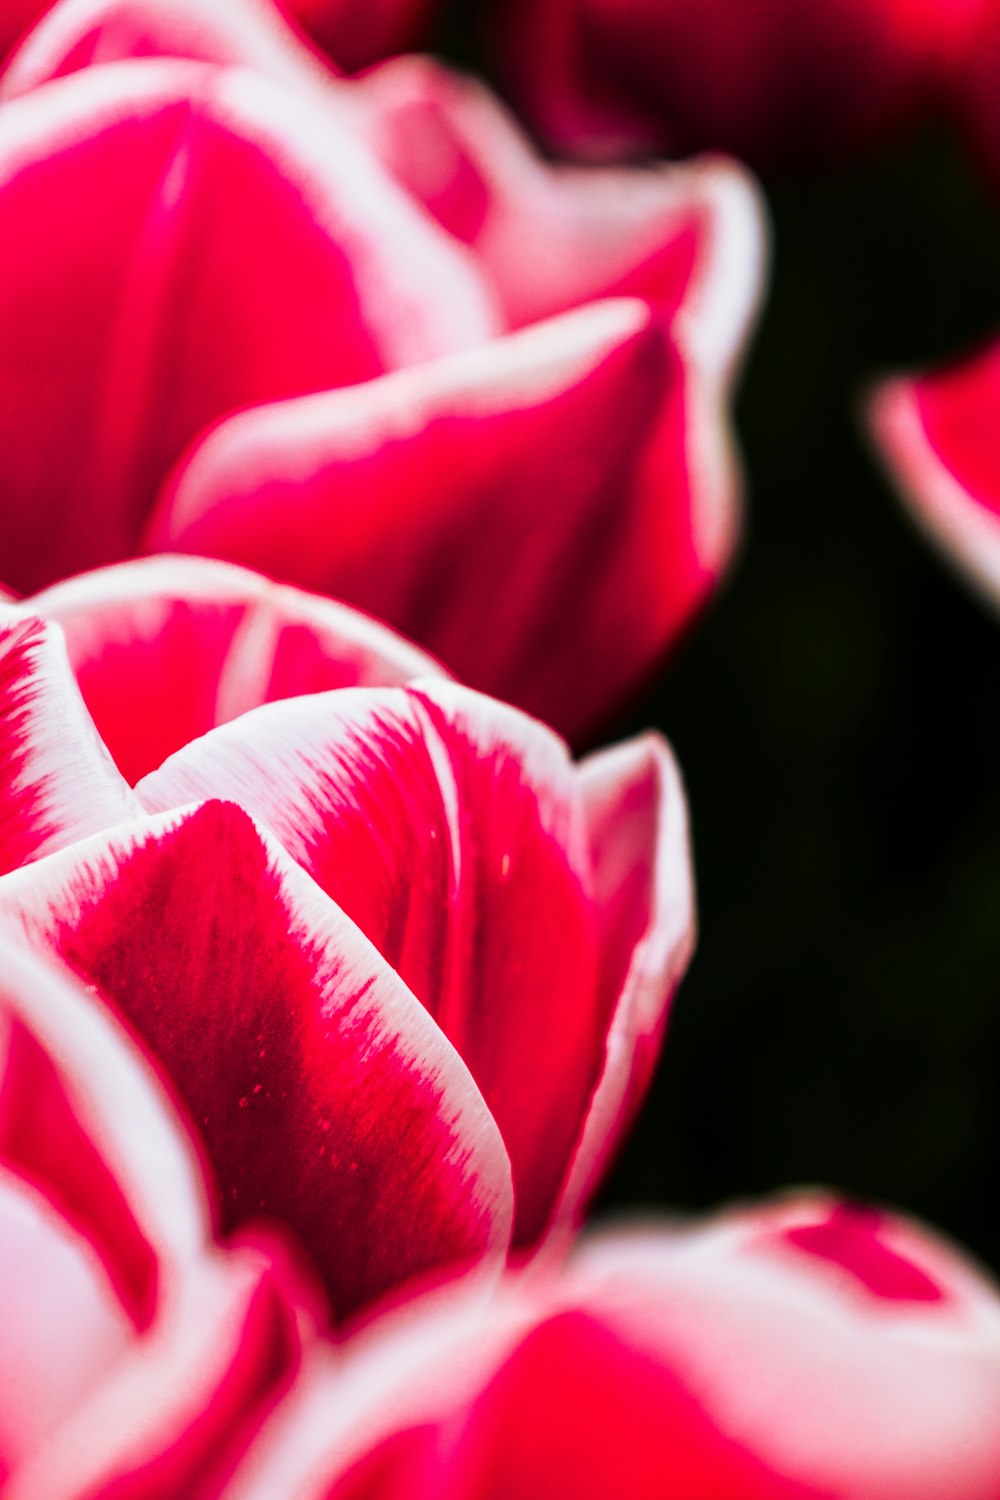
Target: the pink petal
pixel 643 887
pixel 730 1359
pixel 179 1411
pixel 553 237
pixel 543 515
pixel 179 241
pixel 58 782
pixel 939 437
pixel 325 1095
pixel 165 649
pixel 497 937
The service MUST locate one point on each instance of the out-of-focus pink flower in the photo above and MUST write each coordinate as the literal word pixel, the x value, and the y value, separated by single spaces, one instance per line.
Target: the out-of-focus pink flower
pixel 800 1349
pixel 776 81
pixel 939 434
pixel 412 954
pixel 365 339
pixel 135 1357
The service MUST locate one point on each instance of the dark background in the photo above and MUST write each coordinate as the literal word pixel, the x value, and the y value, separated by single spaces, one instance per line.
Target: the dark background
pixel 837 717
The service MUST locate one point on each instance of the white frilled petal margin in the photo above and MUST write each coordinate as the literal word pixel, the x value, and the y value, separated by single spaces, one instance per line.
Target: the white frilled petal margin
pixel 359 647
pixel 166 648
pixel 951 516
pixel 325 1095
pixel 59 783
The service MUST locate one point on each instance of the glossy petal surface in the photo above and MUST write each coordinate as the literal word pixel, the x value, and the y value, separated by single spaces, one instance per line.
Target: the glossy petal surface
pixel 57 782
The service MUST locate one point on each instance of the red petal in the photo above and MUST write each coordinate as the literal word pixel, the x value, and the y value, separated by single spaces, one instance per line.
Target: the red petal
pixel 57 781
pixel 100 1195
pixel 543 515
pixel 729 1359
pixel 938 433
pixel 84 1121
pixel 62 1325
pixel 499 937
pixel 179 241
pixel 164 650
pixel 79 34
pixel 644 893
pixel 17 19
pixel 324 1093
pixel 177 1414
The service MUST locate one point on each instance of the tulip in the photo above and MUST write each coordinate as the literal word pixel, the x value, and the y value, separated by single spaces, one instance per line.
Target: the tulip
pixel 364 339
pixel 135 1356
pixel 938 436
pixel 406 964
pixel 798 1349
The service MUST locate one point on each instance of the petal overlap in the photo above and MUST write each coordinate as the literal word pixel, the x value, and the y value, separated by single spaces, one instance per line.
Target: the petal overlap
pixel 324 1094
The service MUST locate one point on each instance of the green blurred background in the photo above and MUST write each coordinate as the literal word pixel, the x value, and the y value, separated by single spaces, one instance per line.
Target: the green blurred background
pixel 837 717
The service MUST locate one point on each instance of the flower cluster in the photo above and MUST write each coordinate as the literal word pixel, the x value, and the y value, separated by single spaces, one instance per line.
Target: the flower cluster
pixel 332 976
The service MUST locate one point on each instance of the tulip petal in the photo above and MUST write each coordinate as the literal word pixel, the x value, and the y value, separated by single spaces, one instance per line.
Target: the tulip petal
pixel 325 1095
pixel 750 1356
pixel 58 781
pixel 177 1413
pixel 497 935
pixel 62 1327
pixel 164 649
pixel 179 241
pixel 544 515
pixel 553 237
pixel 939 437
pixel 77 34
pixel 644 892
pixel 101 1197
